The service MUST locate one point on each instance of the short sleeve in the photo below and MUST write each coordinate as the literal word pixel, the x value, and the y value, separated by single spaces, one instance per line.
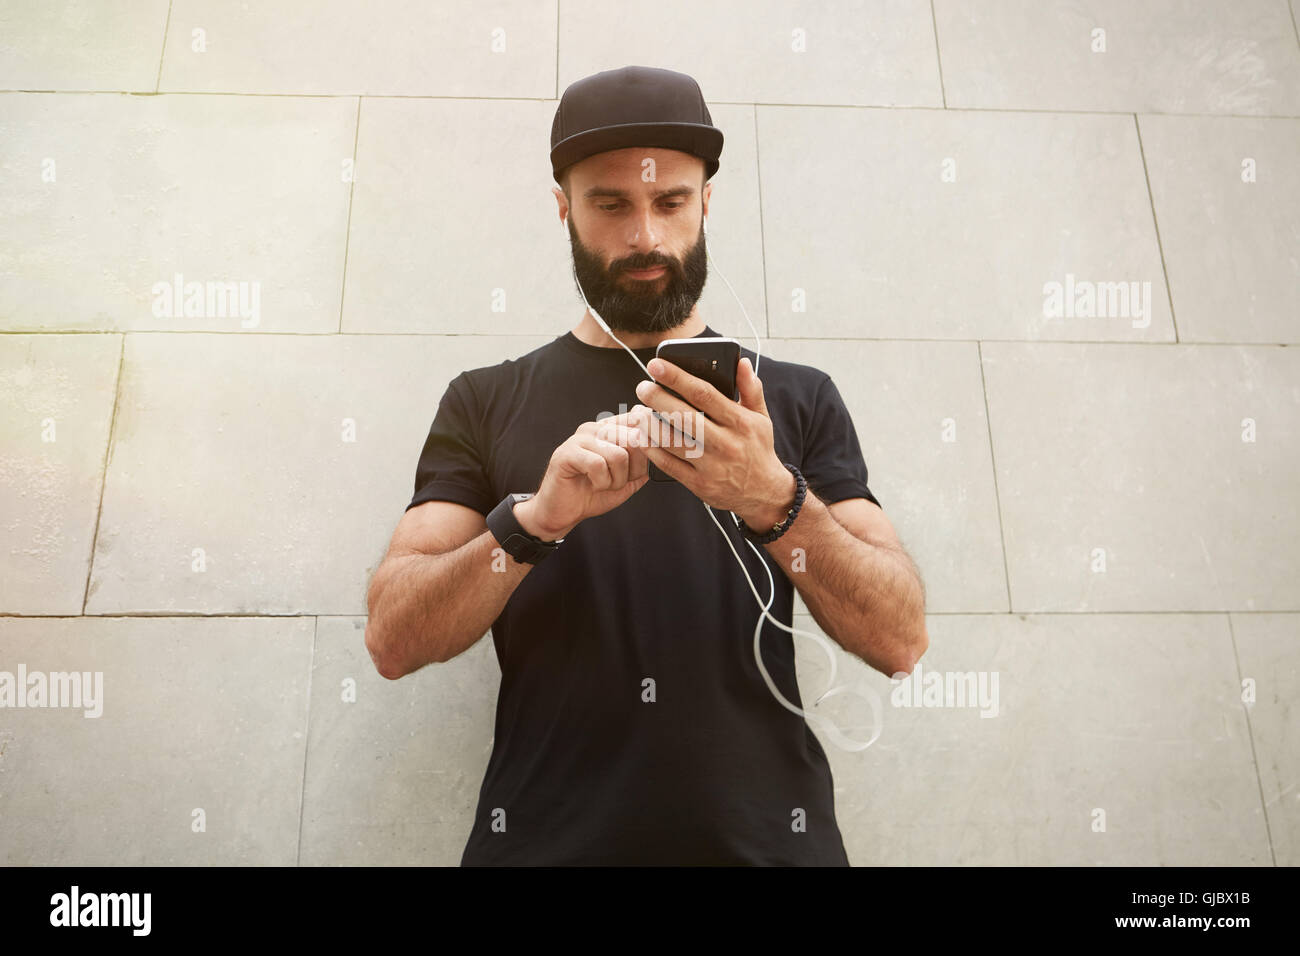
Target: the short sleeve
pixel 832 461
pixel 451 465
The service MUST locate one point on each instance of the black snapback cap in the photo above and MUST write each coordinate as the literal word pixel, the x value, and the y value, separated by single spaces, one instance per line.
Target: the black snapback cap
pixel 633 106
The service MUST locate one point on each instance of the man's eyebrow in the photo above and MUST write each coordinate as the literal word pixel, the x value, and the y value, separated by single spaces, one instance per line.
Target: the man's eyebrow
pixel 614 193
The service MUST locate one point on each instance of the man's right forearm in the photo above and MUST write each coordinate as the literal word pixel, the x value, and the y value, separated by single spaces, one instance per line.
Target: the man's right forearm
pixel 430 607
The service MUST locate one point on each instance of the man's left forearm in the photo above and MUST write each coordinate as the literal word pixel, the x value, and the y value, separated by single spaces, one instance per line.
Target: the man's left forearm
pixel 869 598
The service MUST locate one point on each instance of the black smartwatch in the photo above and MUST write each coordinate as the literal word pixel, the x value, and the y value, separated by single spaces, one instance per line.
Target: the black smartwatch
pixel 514 540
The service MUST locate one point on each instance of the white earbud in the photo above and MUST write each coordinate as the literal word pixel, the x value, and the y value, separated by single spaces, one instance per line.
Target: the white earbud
pixel 705 225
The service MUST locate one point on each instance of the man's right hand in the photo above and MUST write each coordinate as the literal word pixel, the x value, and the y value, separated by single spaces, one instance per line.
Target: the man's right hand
pixel 597 468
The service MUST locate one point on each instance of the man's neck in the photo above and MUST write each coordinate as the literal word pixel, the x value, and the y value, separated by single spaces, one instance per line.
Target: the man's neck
pixel 592 334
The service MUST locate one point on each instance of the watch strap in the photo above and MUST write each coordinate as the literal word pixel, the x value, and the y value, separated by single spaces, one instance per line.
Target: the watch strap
pixel 525 548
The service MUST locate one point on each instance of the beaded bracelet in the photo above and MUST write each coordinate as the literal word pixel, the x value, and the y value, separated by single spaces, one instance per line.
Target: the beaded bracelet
pixel 780 529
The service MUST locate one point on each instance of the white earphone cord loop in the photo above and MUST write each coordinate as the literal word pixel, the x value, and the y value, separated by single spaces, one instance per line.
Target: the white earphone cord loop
pixel 827 726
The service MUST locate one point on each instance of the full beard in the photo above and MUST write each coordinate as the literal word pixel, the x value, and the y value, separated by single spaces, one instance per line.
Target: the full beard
pixel 631 305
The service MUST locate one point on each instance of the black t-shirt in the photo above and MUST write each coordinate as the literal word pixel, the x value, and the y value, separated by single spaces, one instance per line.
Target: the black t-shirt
pixel 584 769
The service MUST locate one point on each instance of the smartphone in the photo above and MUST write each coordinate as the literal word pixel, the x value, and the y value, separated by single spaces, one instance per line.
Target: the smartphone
pixel 712 358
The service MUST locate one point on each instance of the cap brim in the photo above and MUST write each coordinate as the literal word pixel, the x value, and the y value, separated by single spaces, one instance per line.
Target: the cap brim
pixel 694 138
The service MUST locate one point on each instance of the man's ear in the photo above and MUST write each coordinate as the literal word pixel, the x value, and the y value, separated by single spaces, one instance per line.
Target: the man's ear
pixel 562 203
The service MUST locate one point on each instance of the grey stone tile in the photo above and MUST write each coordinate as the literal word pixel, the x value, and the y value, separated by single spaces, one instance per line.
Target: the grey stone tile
pixel 937 493
pixel 735 236
pixel 1163 56
pixel 81 44
pixel 877 52
pixel 1228 205
pixel 1143 452
pixel 447 228
pixel 207 714
pixel 238 445
pixel 393 773
pixel 214 189
pixel 387 47
pixel 1136 715
pixel 56 406
pixel 1266 648
pixel 869 239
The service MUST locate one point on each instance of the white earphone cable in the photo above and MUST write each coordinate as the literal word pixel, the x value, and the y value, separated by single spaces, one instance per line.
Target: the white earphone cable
pixel 828 727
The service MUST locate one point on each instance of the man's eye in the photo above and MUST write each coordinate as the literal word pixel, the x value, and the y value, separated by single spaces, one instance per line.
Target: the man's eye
pixel 608 207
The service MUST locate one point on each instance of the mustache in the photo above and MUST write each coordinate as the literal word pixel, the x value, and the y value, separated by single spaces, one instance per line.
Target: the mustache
pixel 641 263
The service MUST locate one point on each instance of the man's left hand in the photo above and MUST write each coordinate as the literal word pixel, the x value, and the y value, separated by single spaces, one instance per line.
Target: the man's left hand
pixel 725 457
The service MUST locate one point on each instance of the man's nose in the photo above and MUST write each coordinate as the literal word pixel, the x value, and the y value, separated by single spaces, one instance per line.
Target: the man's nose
pixel 643 235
